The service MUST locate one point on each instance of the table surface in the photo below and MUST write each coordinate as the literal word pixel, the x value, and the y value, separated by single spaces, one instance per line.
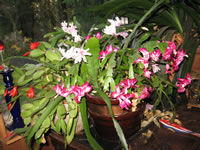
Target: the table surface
pixel 80 141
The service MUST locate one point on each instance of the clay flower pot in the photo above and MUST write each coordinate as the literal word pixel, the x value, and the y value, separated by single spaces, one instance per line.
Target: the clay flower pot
pixel 130 122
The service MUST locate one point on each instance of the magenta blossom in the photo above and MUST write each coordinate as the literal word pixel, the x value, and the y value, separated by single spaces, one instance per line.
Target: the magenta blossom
pixel 168 54
pixel 98 35
pixel 124 101
pixel 179 58
pixel 103 54
pixel 109 49
pixel 117 92
pixel 172 45
pixel 169 51
pixel 145 93
pixel 123 98
pixel 155 55
pixel 147 73
pixel 167 69
pixel 80 91
pixel 145 53
pixel 143 61
pixel 61 90
pixel 182 83
pixel 128 83
pixel 115 49
pixel 87 37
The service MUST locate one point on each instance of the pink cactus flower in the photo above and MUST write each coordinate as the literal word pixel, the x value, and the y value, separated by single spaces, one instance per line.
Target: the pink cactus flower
pixel 147 73
pixel 117 92
pixel 168 52
pixel 109 49
pixel 155 68
pixel 145 53
pixel 145 93
pixel 80 91
pixel 103 54
pixel 128 83
pixel 167 69
pixel 183 82
pixel 155 55
pixel 98 35
pixel 61 90
pixel 172 45
pixel 86 88
pixel 124 101
pixel 123 98
pixel 87 37
pixel 179 58
pixel 115 49
pixel 143 61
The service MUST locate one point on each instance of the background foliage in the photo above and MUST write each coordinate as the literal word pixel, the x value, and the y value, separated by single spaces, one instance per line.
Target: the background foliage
pixel 25 21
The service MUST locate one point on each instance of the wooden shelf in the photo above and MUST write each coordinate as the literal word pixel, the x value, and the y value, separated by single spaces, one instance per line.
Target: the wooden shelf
pixel 194 91
pixel 193 105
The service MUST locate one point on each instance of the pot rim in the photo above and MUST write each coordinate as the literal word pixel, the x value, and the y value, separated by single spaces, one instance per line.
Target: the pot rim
pixel 125 116
pixel 99 100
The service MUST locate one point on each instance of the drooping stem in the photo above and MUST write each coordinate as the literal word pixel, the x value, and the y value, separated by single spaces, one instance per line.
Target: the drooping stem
pixel 155 6
pixel 37 125
pixel 1 55
pixel 172 106
pixel 42 62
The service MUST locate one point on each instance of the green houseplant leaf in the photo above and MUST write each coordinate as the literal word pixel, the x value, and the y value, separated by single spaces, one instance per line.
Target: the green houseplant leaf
pixel 91 140
pixel 71 66
pixel 37 125
pixel 93 62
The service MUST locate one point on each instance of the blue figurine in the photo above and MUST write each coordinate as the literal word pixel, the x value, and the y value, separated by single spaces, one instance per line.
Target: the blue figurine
pixel 15 111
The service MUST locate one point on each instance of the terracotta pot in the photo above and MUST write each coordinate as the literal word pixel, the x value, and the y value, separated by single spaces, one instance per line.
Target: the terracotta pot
pixel 130 122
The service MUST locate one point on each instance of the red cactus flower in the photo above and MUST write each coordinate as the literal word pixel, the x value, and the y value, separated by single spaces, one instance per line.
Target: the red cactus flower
pixel 43 86
pixel 26 54
pixel 34 45
pixel 5 93
pixel 1 67
pixel 1 46
pixel 14 92
pixel 30 93
pixel 9 106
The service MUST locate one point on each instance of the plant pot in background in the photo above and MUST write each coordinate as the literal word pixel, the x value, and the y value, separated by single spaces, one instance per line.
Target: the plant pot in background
pixel 130 122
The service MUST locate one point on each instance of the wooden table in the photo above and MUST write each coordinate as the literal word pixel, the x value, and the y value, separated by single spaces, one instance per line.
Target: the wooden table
pixel 80 141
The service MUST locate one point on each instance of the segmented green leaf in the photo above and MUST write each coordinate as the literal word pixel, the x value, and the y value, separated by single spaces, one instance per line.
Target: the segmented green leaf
pixel 26 114
pixel 36 53
pixel 39 133
pixel 69 125
pixel 93 62
pixel 61 111
pixel 46 123
pixel 63 125
pixel 52 56
pixel 27 120
pixel 38 74
pixel 27 106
